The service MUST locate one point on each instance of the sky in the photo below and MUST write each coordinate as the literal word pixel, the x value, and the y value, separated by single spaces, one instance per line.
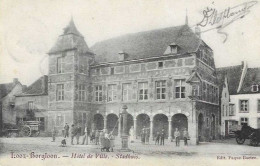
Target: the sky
pixel 29 28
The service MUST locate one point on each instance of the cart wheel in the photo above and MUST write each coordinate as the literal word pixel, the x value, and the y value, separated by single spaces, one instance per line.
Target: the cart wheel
pixel 26 131
pixel 240 141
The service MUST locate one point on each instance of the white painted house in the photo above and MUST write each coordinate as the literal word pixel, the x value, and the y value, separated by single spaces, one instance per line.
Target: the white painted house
pixel 240 97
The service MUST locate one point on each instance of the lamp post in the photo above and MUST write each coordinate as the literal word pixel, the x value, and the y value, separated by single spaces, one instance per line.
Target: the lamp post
pixel 124 135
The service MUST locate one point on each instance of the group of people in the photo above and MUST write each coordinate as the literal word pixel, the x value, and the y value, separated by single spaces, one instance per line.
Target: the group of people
pixel 160 136
pixel 177 136
pixel 102 138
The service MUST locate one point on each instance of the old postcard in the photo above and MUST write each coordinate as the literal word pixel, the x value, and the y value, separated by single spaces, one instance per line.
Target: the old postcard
pixel 129 82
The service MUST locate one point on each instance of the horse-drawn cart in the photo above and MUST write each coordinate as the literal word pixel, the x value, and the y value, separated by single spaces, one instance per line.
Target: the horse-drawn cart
pixel 30 128
pixel 248 132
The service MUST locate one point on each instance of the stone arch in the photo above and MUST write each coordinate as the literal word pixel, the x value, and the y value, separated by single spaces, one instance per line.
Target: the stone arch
pixel 143 121
pixel 98 122
pixel 179 121
pixel 160 122
pixel 200 127
pixel 112 123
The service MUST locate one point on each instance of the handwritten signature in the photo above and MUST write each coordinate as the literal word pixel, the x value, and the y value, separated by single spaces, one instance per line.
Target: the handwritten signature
pixel 219 20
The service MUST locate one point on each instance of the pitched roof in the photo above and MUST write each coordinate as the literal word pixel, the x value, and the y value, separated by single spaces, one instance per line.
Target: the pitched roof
pixel 71 29
pixel 5 89
pixel 71 39
pixel 252 77
pixel 146 44
pixel 233 74
pixel 39 87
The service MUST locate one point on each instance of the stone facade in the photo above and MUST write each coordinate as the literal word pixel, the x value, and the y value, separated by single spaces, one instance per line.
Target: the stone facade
pixel 175 90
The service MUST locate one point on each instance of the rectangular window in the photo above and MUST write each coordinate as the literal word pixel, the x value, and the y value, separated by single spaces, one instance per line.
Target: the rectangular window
pixel 127 92
pixel 231 109
pixel 195 91
pixel 226 110
pixel 60 65
pixel 180 88
pixel 244 121
pixel 30 105
pixel 82 93
pixel 112 71
pixel 160 89
pixel 60 92
pixel 98 93
pixel 160 65
pixel 111 93
pixel 244 106
pixel 143 90
pixel 258 105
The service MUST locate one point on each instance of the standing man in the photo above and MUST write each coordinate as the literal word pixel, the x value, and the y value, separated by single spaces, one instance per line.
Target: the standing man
pixel 177 137
pixel 78 132
pixel 185 136
pixel 162 137
pixel 73 133
pixel 85 136
pixel 157 138
pixel 66 129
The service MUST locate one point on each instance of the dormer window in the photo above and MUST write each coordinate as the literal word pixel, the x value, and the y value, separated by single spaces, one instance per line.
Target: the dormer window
pixel 122 56
pixel 255 88
pixel 173 48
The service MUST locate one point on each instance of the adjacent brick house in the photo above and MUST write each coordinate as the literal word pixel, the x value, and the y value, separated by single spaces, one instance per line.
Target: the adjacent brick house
pixel 32 104
pixel 166 77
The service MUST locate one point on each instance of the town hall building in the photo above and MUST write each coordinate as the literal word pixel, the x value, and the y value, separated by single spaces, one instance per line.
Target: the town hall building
pixel 165 77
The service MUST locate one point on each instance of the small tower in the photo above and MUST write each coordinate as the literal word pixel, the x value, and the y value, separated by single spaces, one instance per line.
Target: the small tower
pixel 68 75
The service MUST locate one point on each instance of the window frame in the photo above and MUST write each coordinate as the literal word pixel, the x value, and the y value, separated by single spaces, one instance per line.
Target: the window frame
pixel 247 105
pixel 255 86
pixel 112 70
pixel 82 92
pixel 60 65
pixel 246 120
pixel 113 91
pixel 128 91
pixel 180 92
pixel 144 90
pixel 160 65
pixel 161 87
pixel 98 93
pixel 60 92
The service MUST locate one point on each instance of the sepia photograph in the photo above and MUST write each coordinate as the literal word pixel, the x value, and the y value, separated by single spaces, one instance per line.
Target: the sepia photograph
pixel 129 82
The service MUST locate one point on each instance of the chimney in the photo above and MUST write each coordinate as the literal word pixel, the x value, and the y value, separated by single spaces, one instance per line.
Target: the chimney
pixel 15 80
pixel 198 32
